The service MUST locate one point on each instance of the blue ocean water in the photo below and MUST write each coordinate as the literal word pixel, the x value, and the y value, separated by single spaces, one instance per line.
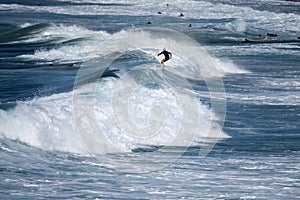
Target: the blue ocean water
pixel 87 111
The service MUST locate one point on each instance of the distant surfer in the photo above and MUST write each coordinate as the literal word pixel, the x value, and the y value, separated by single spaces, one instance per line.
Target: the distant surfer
pixel 167 54
pixel 271 35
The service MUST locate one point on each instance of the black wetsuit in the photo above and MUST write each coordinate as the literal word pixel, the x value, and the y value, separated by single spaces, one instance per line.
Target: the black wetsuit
pixel 166 54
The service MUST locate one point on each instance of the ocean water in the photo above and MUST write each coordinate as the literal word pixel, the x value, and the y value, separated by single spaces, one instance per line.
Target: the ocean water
pixel 88 112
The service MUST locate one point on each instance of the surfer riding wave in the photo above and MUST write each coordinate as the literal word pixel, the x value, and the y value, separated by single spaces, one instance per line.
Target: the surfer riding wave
pixel 167 54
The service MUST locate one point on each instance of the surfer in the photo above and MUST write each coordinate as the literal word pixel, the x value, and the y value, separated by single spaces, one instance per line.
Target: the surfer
pixel 167 54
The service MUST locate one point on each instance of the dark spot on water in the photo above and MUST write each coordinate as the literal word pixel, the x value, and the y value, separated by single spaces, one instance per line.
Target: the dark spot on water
pixel 271 34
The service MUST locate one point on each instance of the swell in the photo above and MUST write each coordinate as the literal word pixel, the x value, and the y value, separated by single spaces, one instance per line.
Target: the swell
pixel 20 33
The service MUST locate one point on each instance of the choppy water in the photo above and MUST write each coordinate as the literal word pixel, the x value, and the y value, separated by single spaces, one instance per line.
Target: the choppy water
pixel 87 111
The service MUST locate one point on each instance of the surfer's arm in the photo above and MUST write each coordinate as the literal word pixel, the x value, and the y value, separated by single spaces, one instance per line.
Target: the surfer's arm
pixel 159 54
pixel 170 54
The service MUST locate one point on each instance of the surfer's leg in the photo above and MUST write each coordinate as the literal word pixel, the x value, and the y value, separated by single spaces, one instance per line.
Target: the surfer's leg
pixel 164 60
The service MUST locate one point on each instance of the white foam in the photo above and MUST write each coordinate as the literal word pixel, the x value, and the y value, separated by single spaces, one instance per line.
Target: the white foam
pixel 61 33
pixel 245 16
pixel 47 122
pixel 42 122
pixel 102 42
pixel 282 98
pixel 237 25
pixel 226 66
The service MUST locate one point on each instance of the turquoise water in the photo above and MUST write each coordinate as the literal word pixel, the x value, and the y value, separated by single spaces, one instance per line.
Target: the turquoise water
pixel 87 111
